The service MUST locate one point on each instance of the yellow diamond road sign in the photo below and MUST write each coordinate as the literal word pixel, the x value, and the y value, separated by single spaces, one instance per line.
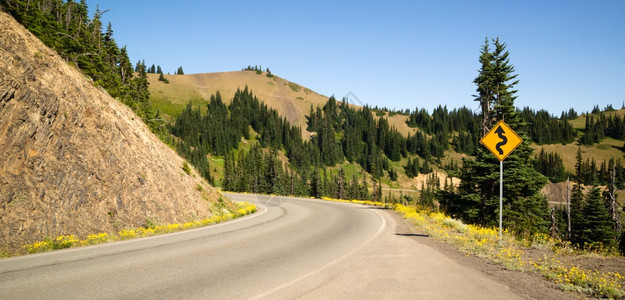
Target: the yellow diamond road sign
pixel 501 140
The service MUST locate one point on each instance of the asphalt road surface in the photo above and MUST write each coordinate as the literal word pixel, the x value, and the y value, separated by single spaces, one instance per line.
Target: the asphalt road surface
pixel 291 248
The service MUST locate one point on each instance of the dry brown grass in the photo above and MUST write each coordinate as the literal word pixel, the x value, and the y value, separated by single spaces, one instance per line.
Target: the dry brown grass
pixel 399 121
pixel 580 122
pixel 277 93
pixel 607 149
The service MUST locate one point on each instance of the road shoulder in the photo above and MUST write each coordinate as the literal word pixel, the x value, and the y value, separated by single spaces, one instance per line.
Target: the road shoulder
pixel 396 265
pixel 524 284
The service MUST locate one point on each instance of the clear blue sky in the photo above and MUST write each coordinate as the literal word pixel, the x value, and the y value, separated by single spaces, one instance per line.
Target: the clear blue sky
pixel 397 54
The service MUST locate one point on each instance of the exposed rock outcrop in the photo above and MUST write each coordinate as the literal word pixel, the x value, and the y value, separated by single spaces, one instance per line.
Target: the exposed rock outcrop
pixel 73 160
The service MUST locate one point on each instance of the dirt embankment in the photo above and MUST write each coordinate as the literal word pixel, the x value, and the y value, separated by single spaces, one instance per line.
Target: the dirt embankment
pixel 73 160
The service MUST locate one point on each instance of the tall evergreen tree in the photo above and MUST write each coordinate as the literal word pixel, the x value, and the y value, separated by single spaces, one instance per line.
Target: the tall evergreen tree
pixel 525 209
pixel 484 82
pixel 599 225
pixel 125 66
pixel 316 185
pixel 590 219
pixel 162 78
pixel 578 219
pixel 341 185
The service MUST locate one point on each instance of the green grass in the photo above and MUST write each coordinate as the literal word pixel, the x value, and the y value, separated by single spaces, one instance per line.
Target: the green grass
pixel 350 170
pixel 294 87
pixel 216 164
pixel 170 109
pixel 186 168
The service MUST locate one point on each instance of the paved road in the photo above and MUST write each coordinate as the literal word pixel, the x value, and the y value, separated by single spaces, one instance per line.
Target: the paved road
pixel 295 248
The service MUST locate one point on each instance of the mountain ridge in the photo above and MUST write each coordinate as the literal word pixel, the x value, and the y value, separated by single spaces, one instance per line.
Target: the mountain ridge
pixel 291 100
pixel 271 90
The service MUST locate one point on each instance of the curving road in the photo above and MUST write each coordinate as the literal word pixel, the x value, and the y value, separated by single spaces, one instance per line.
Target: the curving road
pixel 291 248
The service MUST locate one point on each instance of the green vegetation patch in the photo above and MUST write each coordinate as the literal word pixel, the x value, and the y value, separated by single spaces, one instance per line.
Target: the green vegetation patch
pixel 186 168
pixel 294 87
pixel 170 109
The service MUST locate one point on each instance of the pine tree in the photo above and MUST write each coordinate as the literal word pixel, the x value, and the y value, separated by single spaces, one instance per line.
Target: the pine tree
pixel 392 174
pixel 330 149
pixel 578 204
pixel 425 168
pixel 408 169
pixel 525 209
pixel 125 66
pixel 340 185
pixel 179 71
pixel 485 86
pixel 316 185
pixel 599 226
pixel 162 78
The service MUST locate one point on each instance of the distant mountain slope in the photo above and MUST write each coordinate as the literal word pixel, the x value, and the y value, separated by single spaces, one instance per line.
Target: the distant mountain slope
pixel 75 161
pixel 294 101
pixel 291 100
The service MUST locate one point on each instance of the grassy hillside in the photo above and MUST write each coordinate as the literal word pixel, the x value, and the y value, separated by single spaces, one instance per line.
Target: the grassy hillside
pixel 399 121
pixel 293 102
pixel 580 122
pixel 290 99
pixel 608 147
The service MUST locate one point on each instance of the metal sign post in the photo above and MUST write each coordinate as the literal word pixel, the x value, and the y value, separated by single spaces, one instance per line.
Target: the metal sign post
pixel 500 198
pixel 501 140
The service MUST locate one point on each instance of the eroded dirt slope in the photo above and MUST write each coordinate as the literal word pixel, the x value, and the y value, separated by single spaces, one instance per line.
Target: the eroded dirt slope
pixel 73 160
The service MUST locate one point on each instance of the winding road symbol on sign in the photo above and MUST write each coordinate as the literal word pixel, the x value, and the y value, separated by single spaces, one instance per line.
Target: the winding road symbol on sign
pixel 504 139
pixel 501 140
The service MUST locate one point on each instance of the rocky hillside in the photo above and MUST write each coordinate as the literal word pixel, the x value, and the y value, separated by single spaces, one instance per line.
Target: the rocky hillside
pixel 73 160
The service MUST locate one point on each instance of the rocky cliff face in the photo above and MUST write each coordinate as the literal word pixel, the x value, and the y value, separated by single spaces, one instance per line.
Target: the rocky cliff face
pixel 75 161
